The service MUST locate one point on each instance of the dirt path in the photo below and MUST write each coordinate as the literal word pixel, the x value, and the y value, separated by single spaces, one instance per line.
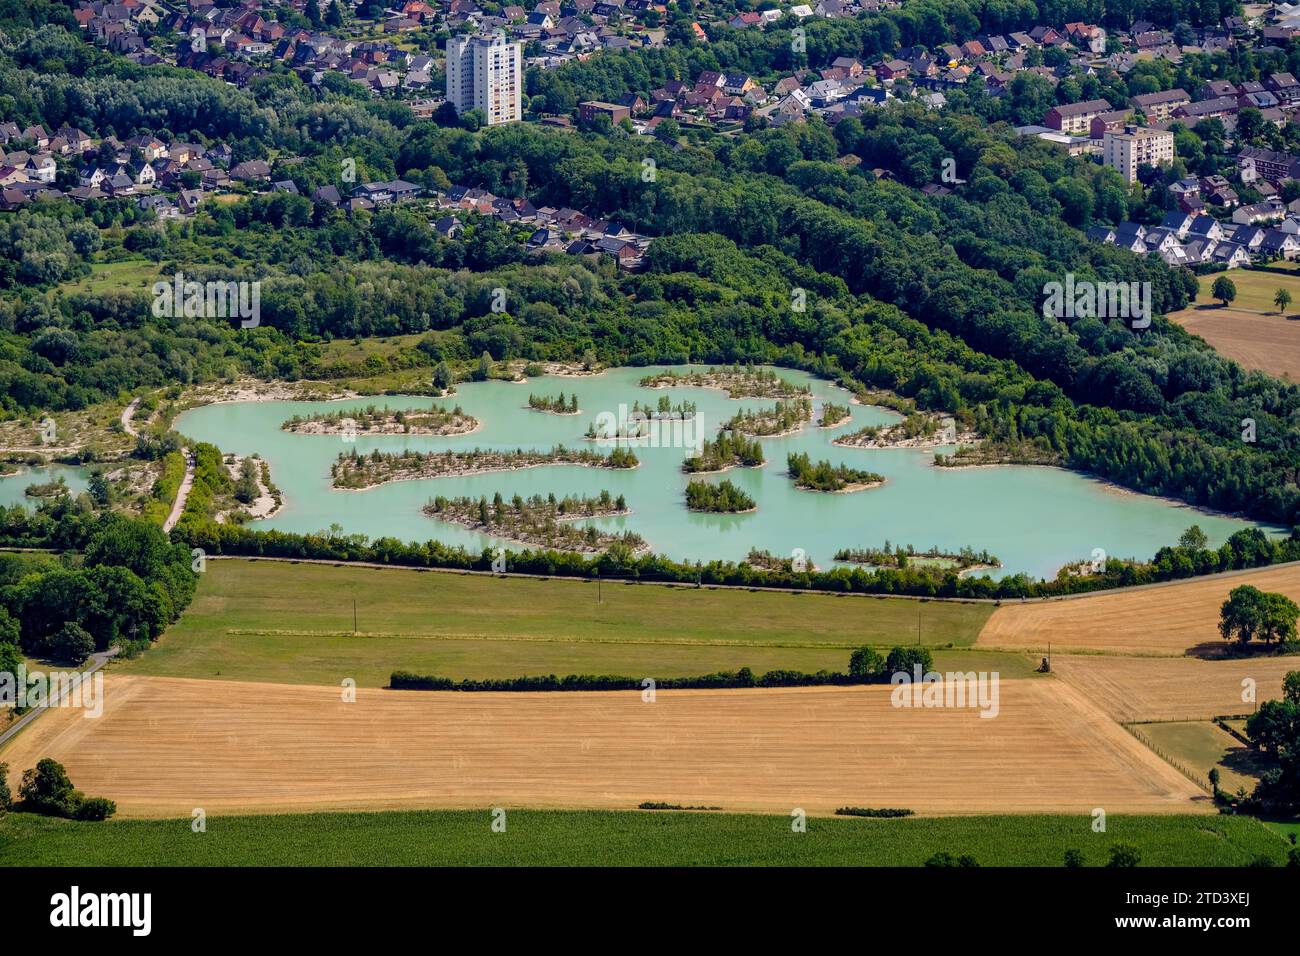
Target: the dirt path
pixel 128 414
pixel 181 495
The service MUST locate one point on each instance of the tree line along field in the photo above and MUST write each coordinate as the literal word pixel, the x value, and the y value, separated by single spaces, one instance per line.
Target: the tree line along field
pixel 629 838
pixel 293 623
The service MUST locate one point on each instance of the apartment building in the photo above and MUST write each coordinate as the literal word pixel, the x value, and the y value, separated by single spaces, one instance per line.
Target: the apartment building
pixel 1159 107
pixel 485 72
pixel 1136 146
pixel 1075 118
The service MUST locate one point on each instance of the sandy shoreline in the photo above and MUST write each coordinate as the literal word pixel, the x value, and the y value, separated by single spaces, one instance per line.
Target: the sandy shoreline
pixel 848 489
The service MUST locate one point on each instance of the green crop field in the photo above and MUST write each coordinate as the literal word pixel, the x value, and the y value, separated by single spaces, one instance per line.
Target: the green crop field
pixel 293 623
pixel 627 838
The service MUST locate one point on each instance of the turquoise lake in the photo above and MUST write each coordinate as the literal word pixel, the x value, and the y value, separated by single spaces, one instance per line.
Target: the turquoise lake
pixel 1034 519
pixel 13 488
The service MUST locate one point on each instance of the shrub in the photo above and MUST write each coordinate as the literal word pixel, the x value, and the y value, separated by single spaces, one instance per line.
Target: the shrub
pixel 866 663
pixel 46 789
pixel 905 659
pixel 94 808
pixel 1124 855
pixel 882 812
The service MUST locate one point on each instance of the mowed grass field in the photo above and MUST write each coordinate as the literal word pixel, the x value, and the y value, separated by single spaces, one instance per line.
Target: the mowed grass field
pixel 1167 619
pixel 581 838
pixel 1200 745
pixel 164 746
pixel 1250 330
pixel 293 623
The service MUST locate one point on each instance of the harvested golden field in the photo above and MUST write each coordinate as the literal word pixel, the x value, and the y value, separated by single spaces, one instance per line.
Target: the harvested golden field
pixel 1172 688
pixel 1258 340
pixel 165 746
pixel 1166 619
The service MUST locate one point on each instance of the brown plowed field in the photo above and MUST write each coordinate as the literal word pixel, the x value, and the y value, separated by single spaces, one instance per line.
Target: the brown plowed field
pixel 165 746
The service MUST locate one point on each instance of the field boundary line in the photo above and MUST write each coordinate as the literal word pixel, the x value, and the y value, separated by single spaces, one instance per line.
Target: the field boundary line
pixel 1150 745
pixel 673 642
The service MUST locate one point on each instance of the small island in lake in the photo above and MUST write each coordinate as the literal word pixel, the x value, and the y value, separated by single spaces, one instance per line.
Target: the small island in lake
pixel 556 405
pixel 50 489
pixel 748 382
pixel 833 415
pixel 723 498
pixel 965 560
pixel 356 471
pixel 728 450
pixel 641 421
pixel 823 476
pixel 781 419
pixel 541 521
pixel 370 420
pixel 916 430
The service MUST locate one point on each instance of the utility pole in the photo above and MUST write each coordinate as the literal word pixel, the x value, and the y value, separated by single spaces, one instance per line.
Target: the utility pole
pixel 354 617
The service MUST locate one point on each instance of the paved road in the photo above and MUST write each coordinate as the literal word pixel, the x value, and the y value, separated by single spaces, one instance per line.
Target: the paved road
pixel 186 484
pixel 97 661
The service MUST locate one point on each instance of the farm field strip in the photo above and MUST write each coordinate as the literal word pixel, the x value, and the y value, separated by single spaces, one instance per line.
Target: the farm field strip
pixel 1172 689
pixel 165 746
pixel 1158 621
pixel 293 623
pixel 627 838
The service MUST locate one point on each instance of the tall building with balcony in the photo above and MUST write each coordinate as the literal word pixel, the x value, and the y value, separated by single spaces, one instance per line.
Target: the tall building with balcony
pixel 1136 146
pixel 485 72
